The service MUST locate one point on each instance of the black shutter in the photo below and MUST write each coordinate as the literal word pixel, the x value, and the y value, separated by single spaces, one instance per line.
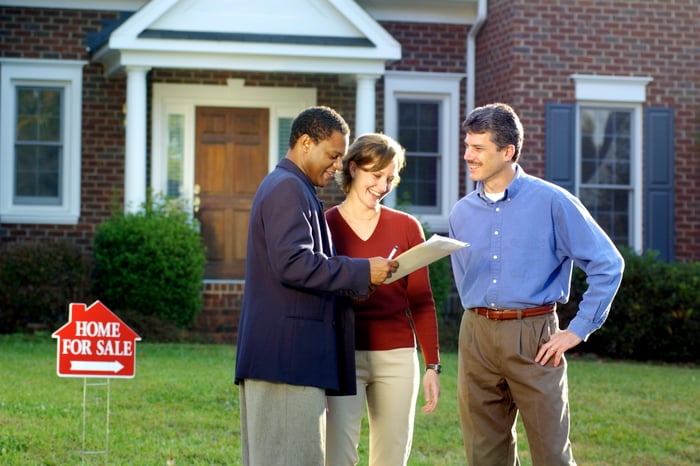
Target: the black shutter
pixel 560 149
pixel 658 182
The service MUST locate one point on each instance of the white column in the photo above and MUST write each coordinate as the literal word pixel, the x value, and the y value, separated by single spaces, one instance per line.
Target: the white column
pixel 365 104
pixel 135 156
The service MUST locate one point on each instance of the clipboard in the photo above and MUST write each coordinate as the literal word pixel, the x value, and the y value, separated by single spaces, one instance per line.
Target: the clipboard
pixel 424 254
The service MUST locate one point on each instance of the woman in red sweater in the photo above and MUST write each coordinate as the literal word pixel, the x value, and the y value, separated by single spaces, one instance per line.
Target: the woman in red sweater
pixel 388 322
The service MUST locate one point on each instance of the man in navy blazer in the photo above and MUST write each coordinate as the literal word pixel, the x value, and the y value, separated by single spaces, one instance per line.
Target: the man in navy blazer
pixel 295 336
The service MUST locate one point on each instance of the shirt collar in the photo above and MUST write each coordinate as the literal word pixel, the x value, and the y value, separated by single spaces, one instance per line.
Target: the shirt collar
pixel 511 190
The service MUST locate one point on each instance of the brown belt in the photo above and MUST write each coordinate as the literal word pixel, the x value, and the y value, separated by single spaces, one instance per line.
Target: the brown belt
pixel 512 314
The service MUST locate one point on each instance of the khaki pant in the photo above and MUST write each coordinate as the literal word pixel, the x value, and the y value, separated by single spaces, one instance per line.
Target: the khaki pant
pixel 282 425
pixel 497 378
pixel 388 383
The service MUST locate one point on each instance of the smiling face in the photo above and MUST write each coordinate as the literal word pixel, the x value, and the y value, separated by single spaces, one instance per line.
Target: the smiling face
pixel 369 186
pixel 321 160
pixel 487 163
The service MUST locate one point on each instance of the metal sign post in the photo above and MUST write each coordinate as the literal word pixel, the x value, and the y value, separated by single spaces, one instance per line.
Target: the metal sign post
pixel 90 438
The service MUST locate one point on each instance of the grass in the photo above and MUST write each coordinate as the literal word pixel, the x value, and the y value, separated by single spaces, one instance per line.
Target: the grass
pixel 182 409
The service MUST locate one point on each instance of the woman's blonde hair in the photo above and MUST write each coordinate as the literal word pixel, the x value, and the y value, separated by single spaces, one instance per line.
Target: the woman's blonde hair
pixel 374 149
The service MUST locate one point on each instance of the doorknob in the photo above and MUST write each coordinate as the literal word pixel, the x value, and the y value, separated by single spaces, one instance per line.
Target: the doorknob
pixel 196 201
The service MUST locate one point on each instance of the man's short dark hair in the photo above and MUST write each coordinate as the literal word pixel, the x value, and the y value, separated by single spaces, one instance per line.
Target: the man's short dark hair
pixel 501 121
pixel 319 123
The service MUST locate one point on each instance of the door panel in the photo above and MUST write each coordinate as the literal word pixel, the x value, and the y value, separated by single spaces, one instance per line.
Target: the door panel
pixel 230 162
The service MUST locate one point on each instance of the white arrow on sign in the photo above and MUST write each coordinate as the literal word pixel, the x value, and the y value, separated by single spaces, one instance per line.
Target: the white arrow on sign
pixel 96 366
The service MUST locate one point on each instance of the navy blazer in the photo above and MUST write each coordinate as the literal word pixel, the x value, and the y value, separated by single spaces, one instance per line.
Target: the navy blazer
pixel 296 324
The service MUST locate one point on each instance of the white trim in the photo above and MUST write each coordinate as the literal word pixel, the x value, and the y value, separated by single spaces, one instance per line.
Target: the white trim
pixel 444 88
pixel 182 99
pixel 109 5
pixel 67 74
pixel 421 11
pixel 126 48
pixel 611 88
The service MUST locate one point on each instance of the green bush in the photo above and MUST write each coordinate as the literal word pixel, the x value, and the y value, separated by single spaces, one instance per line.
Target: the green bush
pixel 38 280
pixel 152 262
pixel 442 284
pixel 655 315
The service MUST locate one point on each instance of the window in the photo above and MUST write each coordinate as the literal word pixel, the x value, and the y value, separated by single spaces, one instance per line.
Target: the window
pixel 38 145
pixel 617 156
pixel 284 126
pixel 176 153
pixel 421 110
pixel 419 133
pixel 40 141
pixel 608 155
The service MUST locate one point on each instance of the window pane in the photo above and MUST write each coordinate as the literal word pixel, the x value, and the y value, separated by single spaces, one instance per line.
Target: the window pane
pixel 176 150
pixel 419 132
pixel 418 186
pixel 605 146
pixel 606 168
pixel 610 208
pixel 39 114
pixel 284 126
pixel 37 174
pixel 418 126
pixel 38 145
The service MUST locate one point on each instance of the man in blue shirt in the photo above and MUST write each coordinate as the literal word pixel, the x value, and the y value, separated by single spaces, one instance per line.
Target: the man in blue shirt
pixel 295 340
pixel 525 235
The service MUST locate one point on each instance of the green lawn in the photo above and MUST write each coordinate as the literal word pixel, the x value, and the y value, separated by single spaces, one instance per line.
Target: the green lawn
pixel 182 409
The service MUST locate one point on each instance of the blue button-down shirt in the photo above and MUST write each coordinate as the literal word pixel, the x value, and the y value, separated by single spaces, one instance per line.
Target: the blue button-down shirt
pixel 523 248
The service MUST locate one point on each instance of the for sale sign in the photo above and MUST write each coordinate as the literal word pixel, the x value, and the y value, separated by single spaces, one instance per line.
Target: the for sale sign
pixel 95 343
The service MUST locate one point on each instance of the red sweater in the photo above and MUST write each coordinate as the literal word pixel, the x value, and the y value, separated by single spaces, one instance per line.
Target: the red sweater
pixel 383 321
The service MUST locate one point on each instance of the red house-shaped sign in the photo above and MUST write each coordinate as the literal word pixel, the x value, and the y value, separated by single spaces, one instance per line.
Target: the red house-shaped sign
pixel 95 343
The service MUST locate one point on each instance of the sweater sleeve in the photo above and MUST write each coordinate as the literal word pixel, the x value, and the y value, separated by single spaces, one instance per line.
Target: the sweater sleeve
pixel 422 306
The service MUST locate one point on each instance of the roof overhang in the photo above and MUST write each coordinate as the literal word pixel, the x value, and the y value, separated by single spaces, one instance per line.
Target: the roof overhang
pixel 304 36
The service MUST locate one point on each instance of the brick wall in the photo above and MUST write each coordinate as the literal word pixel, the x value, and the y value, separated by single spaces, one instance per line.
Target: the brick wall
pixel 427 47
pixel 528 49
pixel 431 48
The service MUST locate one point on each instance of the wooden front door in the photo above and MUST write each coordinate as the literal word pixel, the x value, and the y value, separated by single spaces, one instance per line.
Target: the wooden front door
pixel 231 160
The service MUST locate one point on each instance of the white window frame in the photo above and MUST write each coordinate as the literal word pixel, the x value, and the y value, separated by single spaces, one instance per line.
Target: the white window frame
pixel 617 92
pixel 442 88
pixel 64 74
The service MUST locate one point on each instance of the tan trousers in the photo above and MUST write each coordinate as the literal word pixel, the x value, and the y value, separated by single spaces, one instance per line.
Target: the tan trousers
pixel 497 378
pixel 282 425
pixel 388 383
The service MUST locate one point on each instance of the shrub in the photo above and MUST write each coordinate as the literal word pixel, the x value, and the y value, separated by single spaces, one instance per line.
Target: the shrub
pixel 440 282
pixel 151 261
pixel 38 281
pixel 655 315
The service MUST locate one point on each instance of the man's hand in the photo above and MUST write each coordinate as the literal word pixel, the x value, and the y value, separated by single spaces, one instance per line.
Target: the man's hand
pixel 557 345
pixel 431 390
pixel 380 269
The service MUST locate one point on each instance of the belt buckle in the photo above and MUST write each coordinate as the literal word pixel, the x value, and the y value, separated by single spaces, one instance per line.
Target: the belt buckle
pixel 490 316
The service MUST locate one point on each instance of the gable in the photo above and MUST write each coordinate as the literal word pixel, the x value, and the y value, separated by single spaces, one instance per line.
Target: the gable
pixel 311 36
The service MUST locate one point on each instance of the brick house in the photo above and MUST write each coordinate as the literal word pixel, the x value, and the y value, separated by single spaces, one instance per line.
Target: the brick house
pixel 104 99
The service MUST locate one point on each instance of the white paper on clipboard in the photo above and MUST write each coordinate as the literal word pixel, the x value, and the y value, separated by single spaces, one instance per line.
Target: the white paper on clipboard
pixel 424 254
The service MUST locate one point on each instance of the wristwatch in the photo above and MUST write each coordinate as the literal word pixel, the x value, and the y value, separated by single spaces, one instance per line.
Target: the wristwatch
pixel 436 367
